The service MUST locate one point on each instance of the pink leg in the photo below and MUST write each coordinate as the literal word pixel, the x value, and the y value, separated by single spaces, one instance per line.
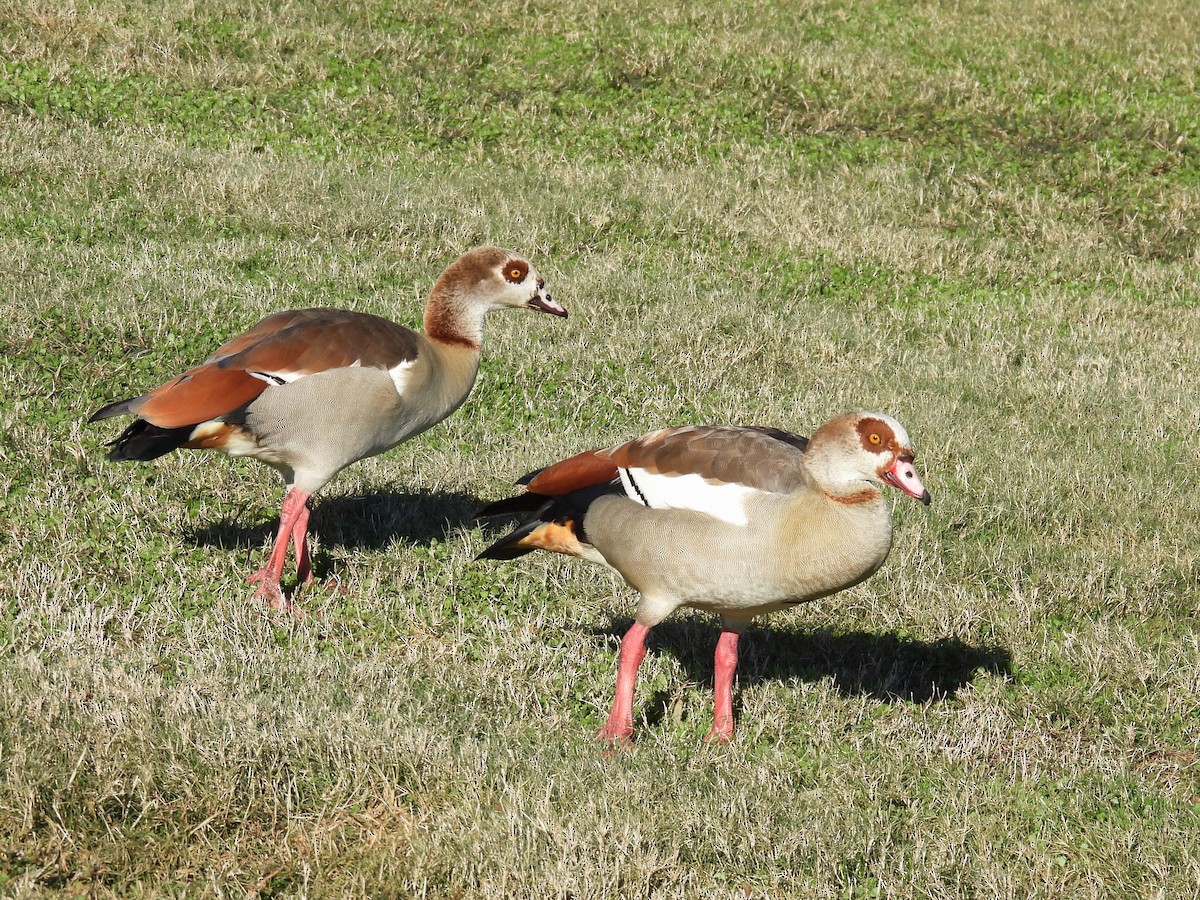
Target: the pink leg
pixel 300 545
pixel 293 514
pixel 725 662
pixel 619 727
pixel 304 575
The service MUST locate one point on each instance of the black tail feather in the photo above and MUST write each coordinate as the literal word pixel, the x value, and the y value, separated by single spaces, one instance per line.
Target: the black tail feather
pixel 143 441
pixel 531 507
pixel 505 547
pixel 520 505
pixel 536 510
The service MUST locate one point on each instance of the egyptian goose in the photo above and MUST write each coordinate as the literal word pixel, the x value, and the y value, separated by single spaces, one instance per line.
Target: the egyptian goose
pixel 311 391
pixel 739 521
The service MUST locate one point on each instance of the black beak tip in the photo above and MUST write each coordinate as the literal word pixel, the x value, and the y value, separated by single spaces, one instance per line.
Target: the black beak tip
pixel 536 303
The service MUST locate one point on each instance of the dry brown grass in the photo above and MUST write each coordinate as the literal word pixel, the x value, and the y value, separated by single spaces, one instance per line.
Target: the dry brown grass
pixel 980 219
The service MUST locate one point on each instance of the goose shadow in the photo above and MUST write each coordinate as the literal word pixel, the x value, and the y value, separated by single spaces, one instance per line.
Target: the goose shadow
pixel 887 667
pixel 358 521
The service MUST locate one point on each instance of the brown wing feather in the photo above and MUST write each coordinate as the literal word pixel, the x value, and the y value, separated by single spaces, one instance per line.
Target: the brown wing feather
pixel 769 459
pixel 758 457
pixel 289 343
pixel 264 330
pixel 315 340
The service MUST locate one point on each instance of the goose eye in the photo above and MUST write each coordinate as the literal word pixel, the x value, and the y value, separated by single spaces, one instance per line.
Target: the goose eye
pixel 873 437
pixel 515 272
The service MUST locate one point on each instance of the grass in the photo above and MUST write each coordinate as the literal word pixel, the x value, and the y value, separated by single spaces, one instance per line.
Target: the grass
pixel 980 218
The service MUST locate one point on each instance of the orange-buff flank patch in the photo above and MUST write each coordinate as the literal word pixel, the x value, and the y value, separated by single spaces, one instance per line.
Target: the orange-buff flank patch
pixel 557 537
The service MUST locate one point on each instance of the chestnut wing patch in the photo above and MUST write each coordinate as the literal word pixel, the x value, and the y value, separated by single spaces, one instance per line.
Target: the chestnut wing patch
pixel 197 396
pixel 708 468
pixel 584 470
pixel 279 349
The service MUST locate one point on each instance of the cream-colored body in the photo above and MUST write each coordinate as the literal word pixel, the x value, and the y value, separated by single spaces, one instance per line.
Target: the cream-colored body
pixel 794 548
pixel 361 406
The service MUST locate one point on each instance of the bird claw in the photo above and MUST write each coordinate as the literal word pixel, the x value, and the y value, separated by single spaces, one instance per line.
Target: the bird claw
pixel 262 575
pixel 271 593
pixel 615 737
pixel 722 730
pixel 719 736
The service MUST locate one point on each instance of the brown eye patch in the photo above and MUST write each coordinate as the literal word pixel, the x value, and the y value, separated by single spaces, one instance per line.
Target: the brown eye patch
pixel 875 435
pixel 515 270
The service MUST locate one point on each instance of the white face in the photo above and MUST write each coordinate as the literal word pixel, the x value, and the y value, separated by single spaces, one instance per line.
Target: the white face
pixel 880 438
pixel 522 286
pixel 859 446
pixel 886 444
pixel 897 429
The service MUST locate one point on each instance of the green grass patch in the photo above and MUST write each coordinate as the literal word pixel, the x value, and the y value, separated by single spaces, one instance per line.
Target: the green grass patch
pixel 979 219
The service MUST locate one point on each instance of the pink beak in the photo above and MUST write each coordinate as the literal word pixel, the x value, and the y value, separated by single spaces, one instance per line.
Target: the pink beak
pixel 903 474
pixel 543 302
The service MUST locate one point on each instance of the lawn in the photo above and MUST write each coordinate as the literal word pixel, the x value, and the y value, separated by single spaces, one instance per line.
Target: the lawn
pixel 979 218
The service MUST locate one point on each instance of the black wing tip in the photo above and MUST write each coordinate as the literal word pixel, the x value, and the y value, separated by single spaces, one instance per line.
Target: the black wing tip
pixel 525 479
pixel 499 551
pixel 116 408
pixel 506 548
pixel 532 507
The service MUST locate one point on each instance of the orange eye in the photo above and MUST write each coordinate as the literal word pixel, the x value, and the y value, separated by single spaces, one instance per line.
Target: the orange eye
pixel 515 274
pixel 873 438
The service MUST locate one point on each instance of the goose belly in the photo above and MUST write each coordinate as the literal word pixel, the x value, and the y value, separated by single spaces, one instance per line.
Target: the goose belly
pixel 775 560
